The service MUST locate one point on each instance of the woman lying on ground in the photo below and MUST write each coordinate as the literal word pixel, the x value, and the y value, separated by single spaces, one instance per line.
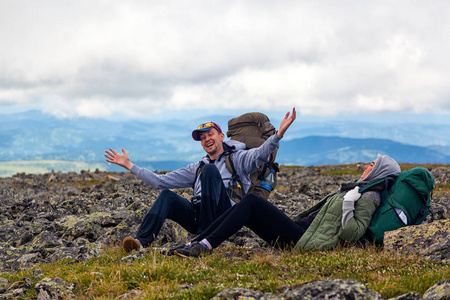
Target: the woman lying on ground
pixel 343 215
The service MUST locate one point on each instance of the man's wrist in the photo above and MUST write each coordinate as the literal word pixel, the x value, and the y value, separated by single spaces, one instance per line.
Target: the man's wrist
pixel 129 166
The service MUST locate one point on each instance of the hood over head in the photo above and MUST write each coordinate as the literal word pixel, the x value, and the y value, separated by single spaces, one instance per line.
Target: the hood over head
pixel 384 166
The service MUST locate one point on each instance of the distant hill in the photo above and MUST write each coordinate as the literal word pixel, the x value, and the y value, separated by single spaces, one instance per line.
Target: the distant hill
pixel 320 150
pixel 167 145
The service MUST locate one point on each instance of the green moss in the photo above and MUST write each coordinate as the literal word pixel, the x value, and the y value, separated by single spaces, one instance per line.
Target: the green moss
pixel 122 225
pixel 98 215
pixel 342 172
pixel 69 221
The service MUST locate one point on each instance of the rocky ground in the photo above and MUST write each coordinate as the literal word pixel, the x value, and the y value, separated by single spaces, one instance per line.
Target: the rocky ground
pixel 45 218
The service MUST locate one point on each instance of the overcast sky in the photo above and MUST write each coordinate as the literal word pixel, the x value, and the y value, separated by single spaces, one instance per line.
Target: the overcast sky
pixel 134 58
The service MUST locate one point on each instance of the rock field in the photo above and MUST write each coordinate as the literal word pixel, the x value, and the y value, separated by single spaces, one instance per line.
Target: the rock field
pixel 45 218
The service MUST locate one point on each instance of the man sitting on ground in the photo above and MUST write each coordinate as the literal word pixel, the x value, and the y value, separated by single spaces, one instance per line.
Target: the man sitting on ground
pixel 210 198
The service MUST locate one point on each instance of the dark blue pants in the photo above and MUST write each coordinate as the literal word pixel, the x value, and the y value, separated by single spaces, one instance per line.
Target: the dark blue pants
pixel 193 218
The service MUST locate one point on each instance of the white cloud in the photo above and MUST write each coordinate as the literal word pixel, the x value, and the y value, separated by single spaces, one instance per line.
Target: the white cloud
pixel 97 58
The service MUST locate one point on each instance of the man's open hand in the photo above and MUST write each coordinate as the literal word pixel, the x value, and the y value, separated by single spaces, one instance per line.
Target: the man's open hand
pixel 287 121
pixel 119 159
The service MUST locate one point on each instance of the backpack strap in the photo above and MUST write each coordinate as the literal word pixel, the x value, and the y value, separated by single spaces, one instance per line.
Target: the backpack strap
pixel 263 171
pixel 230 166
pixel 197 172
pixel 228 150
pixel 387 184
pixel 420 215
pixel 235 186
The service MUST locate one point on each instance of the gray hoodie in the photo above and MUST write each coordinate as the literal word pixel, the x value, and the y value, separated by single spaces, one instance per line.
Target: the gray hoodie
pixel 384 166
pixel 245 162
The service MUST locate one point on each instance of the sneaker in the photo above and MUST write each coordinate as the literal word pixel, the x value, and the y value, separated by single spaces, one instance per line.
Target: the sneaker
pixel 130 244
pixel 195 249
pixel 171 251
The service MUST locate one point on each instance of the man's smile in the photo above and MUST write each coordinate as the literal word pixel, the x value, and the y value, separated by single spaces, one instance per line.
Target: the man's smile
pixel 211 141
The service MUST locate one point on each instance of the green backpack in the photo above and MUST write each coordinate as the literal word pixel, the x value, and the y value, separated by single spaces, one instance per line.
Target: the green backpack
pixel 404 201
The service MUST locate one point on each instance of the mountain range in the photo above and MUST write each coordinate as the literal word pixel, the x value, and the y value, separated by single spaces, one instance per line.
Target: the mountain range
pixel 157 145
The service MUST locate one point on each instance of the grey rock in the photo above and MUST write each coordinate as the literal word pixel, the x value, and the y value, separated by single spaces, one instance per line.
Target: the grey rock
pixel 28 260
pixel 14 290
pixel 320 289
pixel 17 292
pixel 430 240
pixel 4 284
pixel 408 296
pixel 46 240
pixel 236 294
pixel 76 253
pixel 439 291
pixel 331 289
pixel 37 273
pixel 6 296
pixel 54 288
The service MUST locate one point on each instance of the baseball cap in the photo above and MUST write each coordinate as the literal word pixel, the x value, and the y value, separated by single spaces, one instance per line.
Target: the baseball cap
pixel 205 127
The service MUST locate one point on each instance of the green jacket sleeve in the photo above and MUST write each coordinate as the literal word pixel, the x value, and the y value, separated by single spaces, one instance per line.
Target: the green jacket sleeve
pixel 357 226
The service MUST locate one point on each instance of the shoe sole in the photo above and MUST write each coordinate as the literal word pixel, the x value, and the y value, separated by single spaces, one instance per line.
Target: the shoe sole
pixel 170 251
pixel 180 255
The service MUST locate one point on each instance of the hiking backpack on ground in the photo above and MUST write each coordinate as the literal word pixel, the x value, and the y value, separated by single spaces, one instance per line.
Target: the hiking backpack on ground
pixel 405 201
pixel 252 129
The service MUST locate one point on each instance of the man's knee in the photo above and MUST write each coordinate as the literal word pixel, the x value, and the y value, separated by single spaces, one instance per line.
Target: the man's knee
pixel 209 170
pixel 166 194
pixel 166 197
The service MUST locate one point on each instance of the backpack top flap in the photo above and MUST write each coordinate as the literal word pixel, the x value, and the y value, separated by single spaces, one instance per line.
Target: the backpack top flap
pixel 411 193
pixel 250 128
pixel 421 180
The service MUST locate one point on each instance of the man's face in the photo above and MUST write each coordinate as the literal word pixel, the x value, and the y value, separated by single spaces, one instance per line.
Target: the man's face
pixel 211 141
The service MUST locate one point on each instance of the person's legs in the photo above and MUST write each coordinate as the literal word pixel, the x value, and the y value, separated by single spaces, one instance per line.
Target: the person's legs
pixel 213 225
pixel 267 221
pixel 214 198
pixel 168 205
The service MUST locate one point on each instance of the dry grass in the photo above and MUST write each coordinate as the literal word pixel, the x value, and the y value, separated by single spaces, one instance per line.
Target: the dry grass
pixel 154 276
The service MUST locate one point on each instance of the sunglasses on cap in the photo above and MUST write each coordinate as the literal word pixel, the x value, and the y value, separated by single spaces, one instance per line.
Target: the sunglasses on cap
pixel 208 125
pixel 205 127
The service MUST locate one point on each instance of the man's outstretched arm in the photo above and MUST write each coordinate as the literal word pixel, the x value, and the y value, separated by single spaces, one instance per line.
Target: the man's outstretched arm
pixel 119 159
pixel 180 178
